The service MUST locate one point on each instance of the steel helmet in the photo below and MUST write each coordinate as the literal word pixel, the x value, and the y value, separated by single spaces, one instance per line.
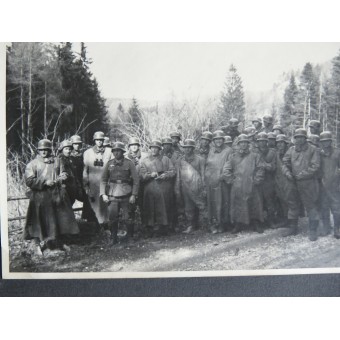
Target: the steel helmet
pixel 166 140
pixel 134 141
pixel 314 139
pixel 267 118
pixel 233 122
pixel 207 135
pixel 315 123
pixel 228 140
pixel 218 134
pixel 243 138
pixel 189 143
pixel 262 136
pixel 271 135
pixel 44 144
pixel 326 135
pixel 65 143
pixel 98 135
pixel 175 134
pixel 156 144
pixel 118 146
pixel 278 127
pixel 300 133
pixel 257 119
pixel 75 139
pixel 250 131
pixel 106 141
pixel 281 138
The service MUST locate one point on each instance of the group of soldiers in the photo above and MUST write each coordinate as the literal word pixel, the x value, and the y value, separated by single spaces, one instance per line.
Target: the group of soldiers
pixel 226 182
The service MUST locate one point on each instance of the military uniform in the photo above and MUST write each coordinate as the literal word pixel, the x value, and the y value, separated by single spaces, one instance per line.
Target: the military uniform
pixel 301 165
pixel 189 186
pixel 244 171
pixel 49 213
pixel 158 193
pixel 119 181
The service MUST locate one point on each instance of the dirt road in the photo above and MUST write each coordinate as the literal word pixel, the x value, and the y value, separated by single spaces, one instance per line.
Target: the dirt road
pixel 197 252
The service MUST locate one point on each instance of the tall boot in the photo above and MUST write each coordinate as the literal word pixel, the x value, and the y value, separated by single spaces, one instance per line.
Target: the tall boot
pixel 292 228
pixel 313 227
pixel 336 226
pixel 114 231
pixel 326 227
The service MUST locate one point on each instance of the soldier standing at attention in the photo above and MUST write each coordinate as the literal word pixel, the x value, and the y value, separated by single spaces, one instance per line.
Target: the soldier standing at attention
pixel 176 137
pixel 216 196
pixel 204 147
pixel 232 129
pixel 95 160
pixel 330 183
pixel 189 185
pixel 301 164
pixel 49 214
pixel 119 189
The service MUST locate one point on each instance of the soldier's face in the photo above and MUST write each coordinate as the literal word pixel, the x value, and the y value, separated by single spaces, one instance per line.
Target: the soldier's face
pixel 300 140
pixel 281 146
pixel 167 147
pixel 188 151
pixel 134 148
pixel 155 151
pixel 218 142
pixel 266 123
pixel 77 146
pixel 314 130
pixel 257 125
pixel 175 140
pixel 44 153
pixel 117 153
pixel 276 132
pixel 204 142
pixel 99 142
pixel 271 142
pixel 326 144
pixel 262 144
pixel 243 145
pixel 67 151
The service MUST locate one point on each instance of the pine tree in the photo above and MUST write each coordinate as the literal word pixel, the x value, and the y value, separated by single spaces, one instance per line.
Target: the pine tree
pixel 289 117
pixel 232 98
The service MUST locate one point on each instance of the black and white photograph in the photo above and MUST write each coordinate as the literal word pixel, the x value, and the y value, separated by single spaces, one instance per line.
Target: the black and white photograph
pixel 129 160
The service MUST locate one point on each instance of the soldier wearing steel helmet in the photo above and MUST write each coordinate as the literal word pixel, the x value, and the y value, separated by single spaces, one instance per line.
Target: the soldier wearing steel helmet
pixel 107 143
pixel 49 214
pixel 271 140
pixel 157 173
pixel 204 147
pixel 257 123
pixel 330 183
pixel 267 188
pixel 73 186
pixel 301 164
pixel 95 160
pixel 278 130
pixel 231 129
pixel 267 123
pixel 169 150
pixel 314 127
pixel 119 186
pixel 77 157
pixel 189 185
pixel 244 172
pixel 176 138
pixel 217 197
pixel 283 186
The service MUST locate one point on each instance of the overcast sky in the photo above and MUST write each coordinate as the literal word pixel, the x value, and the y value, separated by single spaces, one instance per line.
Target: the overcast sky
pixel 152 71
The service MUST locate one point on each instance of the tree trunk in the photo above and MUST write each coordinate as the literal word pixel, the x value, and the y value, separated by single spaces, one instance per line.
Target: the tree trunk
pixel 29 115
pixel 22 112
pixel 45 112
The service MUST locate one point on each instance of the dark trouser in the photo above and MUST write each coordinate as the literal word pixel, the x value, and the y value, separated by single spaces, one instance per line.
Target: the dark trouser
pixel 193 209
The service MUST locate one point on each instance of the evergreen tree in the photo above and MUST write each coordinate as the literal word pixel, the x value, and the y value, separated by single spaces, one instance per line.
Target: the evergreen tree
pixel 232 98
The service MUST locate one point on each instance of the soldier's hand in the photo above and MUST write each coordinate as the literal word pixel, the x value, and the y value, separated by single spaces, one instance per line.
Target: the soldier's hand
pixel 162 176
pixel 63 176
pixel 105 198
pixel 298 177
pixel 132 199
pixel 153 174
pixel 49 183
